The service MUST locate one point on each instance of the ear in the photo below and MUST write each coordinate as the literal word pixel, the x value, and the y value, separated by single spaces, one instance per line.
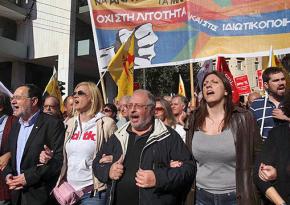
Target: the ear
pixel 266 85
pixel 34 101
pixel 1 108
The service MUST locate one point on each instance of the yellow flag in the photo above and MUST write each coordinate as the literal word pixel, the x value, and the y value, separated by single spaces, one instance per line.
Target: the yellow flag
pixel 121 68
pixel 181 90
pixel 53 89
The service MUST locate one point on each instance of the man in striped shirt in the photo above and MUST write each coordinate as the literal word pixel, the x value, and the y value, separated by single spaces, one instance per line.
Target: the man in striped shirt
pixel 275 85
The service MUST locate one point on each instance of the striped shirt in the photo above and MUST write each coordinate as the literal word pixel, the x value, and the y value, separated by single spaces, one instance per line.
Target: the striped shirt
pixel 257 108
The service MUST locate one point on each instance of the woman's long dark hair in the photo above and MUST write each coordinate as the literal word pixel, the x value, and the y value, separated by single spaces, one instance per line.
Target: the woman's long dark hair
pixel 202 111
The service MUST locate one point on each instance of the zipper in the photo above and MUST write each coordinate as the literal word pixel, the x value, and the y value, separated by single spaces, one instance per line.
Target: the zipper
pixel 112 188
pixel 141 155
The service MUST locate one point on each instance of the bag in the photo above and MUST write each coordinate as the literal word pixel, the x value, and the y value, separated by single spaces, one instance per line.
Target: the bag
pixel 65 194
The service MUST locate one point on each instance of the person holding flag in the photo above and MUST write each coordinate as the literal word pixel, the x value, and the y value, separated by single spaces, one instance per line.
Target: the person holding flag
pixel 267 110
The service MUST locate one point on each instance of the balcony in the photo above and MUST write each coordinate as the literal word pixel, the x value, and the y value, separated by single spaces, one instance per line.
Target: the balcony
pixel 13 9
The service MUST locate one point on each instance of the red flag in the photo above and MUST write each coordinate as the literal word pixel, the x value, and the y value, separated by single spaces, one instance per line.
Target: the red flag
pixel 223 67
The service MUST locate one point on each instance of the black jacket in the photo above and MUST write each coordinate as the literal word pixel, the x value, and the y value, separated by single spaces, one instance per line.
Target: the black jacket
pixel 276 152
pixel 163 145
pixel 49 131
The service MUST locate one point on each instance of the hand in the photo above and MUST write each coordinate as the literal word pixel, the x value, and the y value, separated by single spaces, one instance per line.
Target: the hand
pixel 45 155
pixel 182 117
pixel 117 169
pixel 145 40
pixel 267 172
pixel 279 114
pixel 106 159
pixel 145 178
pixel 15 182
pixel 175 164
pixel 4 159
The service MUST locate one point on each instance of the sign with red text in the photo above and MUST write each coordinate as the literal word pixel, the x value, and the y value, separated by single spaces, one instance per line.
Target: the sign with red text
pixel 242 84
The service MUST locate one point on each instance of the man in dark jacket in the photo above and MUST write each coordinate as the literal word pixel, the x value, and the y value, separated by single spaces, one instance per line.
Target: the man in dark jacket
pixel 30 181
pixel 139 170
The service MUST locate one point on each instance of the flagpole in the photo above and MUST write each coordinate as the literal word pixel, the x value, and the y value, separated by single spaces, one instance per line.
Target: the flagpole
pixel 103 86
pixel 144 78
pixel 193 103
pixel 101 78
pixel 96 48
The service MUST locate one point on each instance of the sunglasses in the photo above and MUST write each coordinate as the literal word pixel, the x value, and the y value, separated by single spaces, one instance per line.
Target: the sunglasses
pixel 79 93
pixel 159 108
pixel 107 110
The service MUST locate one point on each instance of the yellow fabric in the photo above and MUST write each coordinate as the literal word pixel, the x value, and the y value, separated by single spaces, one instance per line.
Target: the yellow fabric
pixel 181 89
pixel 274 62
pixel 121 68
pixel 53 89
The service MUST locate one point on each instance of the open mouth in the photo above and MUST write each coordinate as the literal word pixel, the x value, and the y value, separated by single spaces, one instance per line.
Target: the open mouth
pixel 281 88
pixel 209 92
pixel 134 118
pixel 15 108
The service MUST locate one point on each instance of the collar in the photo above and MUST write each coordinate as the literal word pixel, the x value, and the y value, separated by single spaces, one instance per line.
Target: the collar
pixel 2 119
pixel 149 132
pixel 30 121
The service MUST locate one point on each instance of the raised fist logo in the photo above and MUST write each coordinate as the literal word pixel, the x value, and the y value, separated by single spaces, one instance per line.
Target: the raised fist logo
pixel 144 46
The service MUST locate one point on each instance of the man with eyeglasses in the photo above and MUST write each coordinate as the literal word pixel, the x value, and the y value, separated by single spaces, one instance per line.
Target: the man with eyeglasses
pixel 51 106
pixel 123 116
pixel 29 181
pixel 135 162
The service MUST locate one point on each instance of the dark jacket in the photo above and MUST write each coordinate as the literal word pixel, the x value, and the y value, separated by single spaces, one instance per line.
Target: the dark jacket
pixel 276 152
pixel 49 131
pixel 248 143
pixel 163 145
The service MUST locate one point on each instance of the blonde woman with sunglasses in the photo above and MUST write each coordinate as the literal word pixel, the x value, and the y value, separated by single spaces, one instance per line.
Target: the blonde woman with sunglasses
pixel 86 132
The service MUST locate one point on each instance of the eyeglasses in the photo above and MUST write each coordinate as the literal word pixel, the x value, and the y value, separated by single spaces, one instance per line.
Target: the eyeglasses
pixel 107 110
pixel 18 97
pixel 137 106
pixel 159 108
pixel 49 106
pixel 79 93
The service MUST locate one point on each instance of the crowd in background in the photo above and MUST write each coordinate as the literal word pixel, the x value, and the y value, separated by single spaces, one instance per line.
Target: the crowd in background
pixel 146 149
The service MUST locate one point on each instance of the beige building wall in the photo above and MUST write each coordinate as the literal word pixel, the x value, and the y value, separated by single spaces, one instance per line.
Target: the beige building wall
pixel 246 66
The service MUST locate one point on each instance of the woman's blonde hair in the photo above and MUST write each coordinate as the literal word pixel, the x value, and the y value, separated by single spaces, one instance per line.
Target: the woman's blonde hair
pixel 96 97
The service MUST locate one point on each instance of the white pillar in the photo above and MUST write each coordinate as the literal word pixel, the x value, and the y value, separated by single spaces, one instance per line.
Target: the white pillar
pixel 66 59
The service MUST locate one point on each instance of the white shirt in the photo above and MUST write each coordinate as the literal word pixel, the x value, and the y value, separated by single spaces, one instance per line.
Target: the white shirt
pixel 180 130
pixel 80 151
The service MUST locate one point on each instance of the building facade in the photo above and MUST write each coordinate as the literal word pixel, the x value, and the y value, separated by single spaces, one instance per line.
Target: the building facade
pixel 37 35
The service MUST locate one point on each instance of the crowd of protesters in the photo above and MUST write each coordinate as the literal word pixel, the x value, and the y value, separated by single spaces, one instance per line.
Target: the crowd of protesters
pixel 147 149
